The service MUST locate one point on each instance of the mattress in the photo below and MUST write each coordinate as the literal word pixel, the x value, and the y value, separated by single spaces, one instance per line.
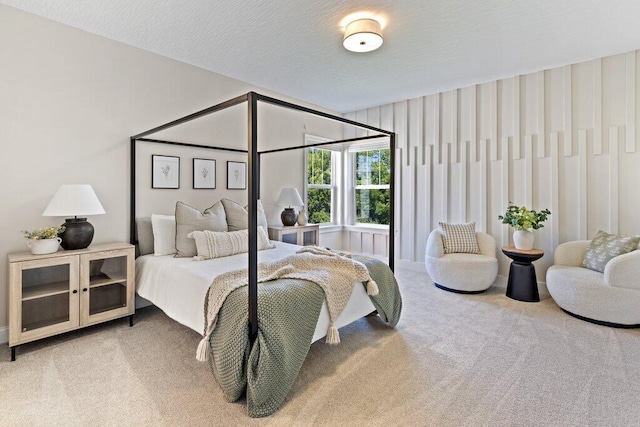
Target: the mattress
pixel 178 286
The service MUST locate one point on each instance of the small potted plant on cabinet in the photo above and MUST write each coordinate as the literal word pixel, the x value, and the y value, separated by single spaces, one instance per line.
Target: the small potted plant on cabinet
pixel 43 240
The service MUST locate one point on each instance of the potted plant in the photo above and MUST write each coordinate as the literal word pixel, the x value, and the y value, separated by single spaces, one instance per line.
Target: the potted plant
pixel 524 221
pixel 43 240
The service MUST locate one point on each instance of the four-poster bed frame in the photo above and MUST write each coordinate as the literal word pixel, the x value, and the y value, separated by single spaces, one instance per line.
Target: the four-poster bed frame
pixel 252 99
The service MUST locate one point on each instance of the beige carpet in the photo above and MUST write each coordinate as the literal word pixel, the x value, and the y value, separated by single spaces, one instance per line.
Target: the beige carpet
pixel 453 360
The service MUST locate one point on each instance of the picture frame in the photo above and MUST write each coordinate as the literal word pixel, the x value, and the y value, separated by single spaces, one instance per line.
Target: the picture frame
pixel 165 171
pixel 236 175
pixel 204 174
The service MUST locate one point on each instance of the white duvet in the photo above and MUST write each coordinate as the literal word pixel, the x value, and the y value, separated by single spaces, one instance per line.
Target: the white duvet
pixel 178 286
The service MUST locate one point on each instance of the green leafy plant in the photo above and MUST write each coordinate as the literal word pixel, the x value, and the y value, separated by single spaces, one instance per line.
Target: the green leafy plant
pixel 43 233
pixel 521 218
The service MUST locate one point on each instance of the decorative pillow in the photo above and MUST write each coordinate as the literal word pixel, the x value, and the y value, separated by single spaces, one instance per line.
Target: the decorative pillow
pixel 189 219
pixel 238 217
pixel 605 247
pixel 164 234
pixel 460 238
pixel 217 244
pixel 144 235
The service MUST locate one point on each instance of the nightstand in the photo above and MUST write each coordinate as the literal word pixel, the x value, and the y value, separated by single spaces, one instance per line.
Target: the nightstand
pixel 522 284
pixel 301 235
pixel 66 290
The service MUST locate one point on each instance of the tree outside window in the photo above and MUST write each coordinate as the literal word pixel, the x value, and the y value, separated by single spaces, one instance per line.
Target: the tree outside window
pixel 319 185
pixel 372 169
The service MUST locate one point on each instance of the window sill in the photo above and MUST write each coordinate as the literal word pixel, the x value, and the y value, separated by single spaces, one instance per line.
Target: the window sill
pixel 330 228
pixel 372 228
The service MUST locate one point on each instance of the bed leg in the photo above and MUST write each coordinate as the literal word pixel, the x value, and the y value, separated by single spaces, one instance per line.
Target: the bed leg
pixel 13 353
pixel 131 320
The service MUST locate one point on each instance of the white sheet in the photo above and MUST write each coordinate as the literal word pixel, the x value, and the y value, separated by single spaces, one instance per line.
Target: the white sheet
pixel 178 286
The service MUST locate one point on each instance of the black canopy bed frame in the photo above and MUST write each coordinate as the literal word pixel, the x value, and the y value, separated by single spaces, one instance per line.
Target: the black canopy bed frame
pixel 253 153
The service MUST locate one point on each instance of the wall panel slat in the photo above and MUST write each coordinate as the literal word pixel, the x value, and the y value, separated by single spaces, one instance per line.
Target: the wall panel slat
pixel 630 76
pixel 568 113
pixel 597 107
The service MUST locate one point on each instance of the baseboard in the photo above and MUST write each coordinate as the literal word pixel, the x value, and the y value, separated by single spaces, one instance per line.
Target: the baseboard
pixel 4 335
pixel 411 265
pixel 501 282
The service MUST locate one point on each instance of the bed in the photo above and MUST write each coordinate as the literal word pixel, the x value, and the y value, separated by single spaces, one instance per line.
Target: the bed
pixel 178 287
pixel 262 333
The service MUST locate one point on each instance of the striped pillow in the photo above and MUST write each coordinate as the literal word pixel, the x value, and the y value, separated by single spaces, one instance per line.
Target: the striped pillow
pixel 217 244
pixel 460 238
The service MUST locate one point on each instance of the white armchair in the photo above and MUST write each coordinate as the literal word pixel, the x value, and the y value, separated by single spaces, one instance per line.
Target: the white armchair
pixel 461 273
pixel 611 299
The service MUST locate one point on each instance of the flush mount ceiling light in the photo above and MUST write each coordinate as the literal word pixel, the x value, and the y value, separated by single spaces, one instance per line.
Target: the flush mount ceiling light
pixel 362 35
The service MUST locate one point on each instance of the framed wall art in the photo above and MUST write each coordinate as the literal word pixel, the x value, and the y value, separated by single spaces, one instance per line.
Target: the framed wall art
pixel 165 171
pixel 204 174
pixel 236 175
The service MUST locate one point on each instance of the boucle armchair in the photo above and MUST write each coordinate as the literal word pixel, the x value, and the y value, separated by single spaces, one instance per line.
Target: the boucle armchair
pixel 461 272
pixel 611 298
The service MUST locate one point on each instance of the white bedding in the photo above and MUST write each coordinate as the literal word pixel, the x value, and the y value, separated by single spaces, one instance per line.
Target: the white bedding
pixel 178 286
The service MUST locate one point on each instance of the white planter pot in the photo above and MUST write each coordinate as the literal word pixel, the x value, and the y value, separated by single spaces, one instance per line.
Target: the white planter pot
pixel 523 239
pixel 44 246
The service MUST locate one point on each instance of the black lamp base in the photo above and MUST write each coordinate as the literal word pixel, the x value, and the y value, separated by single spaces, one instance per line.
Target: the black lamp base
pixel 289 217
pixel 78 233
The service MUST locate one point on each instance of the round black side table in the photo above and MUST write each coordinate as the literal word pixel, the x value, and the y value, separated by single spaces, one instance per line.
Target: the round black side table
pixel 522 285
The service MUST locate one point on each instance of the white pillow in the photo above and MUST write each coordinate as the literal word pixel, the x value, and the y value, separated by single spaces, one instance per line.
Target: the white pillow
pixel 217 244
pixel 164 234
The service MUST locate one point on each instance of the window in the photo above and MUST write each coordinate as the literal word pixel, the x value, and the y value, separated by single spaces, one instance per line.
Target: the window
pixel 320 185
pixel 372 170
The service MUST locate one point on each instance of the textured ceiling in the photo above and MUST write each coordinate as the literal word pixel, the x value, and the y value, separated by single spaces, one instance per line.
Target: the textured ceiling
pixel 295 47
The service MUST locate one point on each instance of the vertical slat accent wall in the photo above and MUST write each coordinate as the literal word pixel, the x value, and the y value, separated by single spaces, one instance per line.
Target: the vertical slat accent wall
pixel 562 139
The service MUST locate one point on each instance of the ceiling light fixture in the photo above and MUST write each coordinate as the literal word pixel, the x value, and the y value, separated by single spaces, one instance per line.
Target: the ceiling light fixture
pixel 362 35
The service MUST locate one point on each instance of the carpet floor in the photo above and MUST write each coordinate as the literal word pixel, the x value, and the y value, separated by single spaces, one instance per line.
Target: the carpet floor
pixel 453 360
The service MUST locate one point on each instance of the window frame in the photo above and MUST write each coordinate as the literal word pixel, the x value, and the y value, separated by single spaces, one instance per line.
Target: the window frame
pixel 353 150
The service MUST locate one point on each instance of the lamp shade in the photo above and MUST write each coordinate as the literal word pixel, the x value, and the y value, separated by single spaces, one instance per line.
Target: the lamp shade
pixel 362 35
pixel 289 197
pixel 74 200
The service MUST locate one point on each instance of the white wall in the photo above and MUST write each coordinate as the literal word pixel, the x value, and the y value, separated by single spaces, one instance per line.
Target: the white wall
pixel 563 139
pixel 69 101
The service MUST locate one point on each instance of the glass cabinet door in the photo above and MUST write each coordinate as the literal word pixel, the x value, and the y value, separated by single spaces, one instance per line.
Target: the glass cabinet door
pixel 106 286
pixel 290 238
pixel 48 296
pixel 309 238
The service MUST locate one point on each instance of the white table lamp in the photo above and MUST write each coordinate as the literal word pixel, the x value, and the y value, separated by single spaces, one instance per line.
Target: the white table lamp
pixel 75 200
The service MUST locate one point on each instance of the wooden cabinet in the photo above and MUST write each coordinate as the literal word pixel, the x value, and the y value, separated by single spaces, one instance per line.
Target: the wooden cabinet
pixel 302 235
pixel 55 293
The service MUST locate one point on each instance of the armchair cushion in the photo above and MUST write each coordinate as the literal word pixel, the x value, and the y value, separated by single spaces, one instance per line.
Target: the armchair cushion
pixel 624 271
pixel 459 238
pixel 570 253
pixel 605 247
